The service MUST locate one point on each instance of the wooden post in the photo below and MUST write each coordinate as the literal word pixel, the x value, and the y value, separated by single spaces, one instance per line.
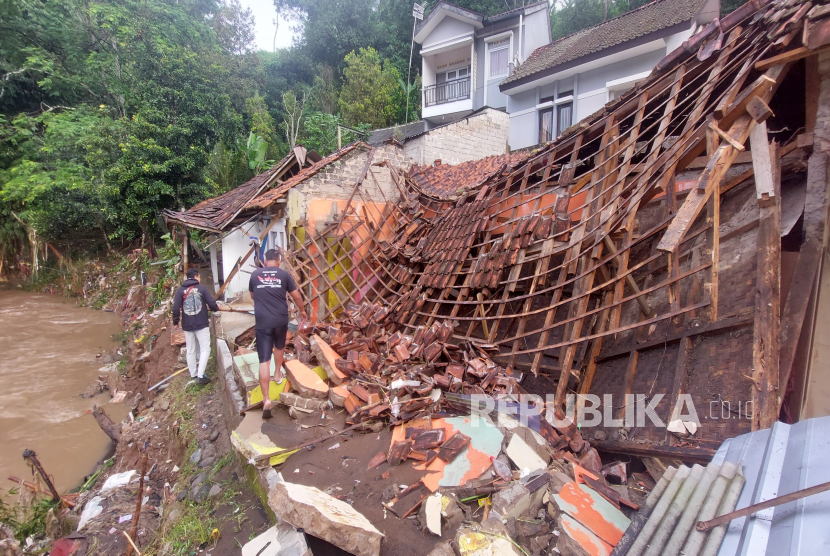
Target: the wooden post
pixel 766 335
pixel 214 267
pixel 185 241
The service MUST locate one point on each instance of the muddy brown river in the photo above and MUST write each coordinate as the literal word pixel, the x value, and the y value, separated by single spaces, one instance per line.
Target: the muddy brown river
pixel 48 357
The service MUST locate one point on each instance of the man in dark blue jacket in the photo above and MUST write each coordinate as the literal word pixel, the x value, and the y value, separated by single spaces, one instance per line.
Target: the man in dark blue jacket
pixel 192 300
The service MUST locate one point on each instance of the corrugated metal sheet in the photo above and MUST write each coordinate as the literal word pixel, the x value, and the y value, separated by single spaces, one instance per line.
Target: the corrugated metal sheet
pixel 778 461
pixel 746 470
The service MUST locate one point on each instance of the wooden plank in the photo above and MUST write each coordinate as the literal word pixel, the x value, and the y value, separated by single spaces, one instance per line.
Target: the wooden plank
pixel 762 165
pixel 758 109
pixel 767 298
pixel 710 179
pixel 807 264
pixel 788 57
pixel 631 370
pixel 680 372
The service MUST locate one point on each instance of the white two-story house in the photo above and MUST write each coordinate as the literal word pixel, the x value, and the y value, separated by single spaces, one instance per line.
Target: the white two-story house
pixel 466 55
pixel 569 79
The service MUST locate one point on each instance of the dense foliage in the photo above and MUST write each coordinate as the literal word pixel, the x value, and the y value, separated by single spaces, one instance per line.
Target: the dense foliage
pixel 113 110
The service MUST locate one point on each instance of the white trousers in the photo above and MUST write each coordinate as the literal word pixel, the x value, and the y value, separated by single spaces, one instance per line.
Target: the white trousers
pixel 202 339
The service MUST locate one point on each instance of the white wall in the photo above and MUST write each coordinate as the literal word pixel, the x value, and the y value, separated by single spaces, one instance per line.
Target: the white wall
pixel 235 245
pixel 448 28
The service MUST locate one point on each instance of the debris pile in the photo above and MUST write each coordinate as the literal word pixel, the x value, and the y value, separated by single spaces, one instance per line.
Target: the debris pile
pixel 507 474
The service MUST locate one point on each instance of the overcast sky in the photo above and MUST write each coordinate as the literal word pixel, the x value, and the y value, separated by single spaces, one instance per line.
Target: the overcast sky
pixel 264 14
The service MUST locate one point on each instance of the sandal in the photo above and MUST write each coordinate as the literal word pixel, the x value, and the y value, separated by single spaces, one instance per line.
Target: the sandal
pixel 266 413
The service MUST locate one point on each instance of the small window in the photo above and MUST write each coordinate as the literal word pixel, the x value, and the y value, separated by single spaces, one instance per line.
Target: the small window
pixel 546 125
pixel 499 58
pixel 564 116
pixel 563 94
pixel 545 99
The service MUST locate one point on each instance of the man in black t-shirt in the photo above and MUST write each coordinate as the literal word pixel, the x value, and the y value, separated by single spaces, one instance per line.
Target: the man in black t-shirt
pixel 269 287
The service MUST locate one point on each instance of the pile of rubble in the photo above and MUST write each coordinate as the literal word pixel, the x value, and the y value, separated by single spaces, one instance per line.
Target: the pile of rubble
pixel 494 477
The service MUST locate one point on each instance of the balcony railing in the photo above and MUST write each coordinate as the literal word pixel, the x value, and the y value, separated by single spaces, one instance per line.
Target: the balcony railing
pixel 449 91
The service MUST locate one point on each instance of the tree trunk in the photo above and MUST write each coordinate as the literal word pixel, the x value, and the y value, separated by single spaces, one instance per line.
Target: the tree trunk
pixel 111 429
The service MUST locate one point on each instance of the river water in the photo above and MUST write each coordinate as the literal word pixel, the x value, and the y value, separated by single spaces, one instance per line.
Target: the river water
pixel 48 349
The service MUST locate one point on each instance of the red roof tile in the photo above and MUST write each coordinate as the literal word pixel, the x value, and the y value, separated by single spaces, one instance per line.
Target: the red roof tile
pixel 446 180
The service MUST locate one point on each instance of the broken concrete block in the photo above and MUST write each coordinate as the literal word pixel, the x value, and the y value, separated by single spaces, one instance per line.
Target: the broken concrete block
pixel 511 501
pixel 278 540
pixel 327 358
pixel 593 511
pixel 433 513
pixel 293 400
pixel 305 381
pixel 523 456
pixel 677 427
pixel 325 517
pixel 577 540
pixel 338 395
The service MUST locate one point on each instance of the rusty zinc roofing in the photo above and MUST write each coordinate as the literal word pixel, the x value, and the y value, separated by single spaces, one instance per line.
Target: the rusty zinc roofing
pixel 445 180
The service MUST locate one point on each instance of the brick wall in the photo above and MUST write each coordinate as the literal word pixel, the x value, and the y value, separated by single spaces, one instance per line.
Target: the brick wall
pixel 472 138
pixel 337 180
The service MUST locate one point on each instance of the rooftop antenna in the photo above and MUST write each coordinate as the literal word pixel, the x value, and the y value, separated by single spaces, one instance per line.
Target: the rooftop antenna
pixel 418 14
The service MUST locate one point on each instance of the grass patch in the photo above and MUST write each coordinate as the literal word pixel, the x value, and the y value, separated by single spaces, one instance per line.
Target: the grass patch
pixel 190 531
pixel 25 521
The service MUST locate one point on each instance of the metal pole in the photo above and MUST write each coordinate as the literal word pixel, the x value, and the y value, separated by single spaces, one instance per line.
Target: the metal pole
pixel 409 71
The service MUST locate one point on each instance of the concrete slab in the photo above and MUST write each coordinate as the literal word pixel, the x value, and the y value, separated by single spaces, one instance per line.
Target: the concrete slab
pixel 485 442
pixel 249 440
pixel 234 324
pixel 593 511
pixel 305 381
pixel 577 540
pixel 327 358
pixel 279 540
pixel 246 368
pixel 523 456
pixel 325 517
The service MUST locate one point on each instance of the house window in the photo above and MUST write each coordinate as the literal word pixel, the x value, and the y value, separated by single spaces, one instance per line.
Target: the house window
pixel 499 58
pixel 545 125
pixel 564 113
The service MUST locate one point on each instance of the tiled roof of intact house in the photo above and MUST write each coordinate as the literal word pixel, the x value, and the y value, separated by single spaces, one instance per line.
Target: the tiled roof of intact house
pixel 216 213
pixel 650 18
pixel 265 200
pixel 445 180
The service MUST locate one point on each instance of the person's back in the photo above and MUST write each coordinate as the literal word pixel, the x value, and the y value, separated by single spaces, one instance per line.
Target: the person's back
pixel 191 304
pixel 270 287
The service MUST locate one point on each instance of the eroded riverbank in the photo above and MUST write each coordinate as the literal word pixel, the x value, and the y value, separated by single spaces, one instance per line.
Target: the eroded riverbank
pixel 49 348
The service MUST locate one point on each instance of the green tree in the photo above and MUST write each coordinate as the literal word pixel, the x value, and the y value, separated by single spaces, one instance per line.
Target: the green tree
pixel 369 90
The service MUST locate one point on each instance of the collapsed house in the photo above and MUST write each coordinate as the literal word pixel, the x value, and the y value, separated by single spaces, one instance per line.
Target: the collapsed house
pixel 639 253
pixel 664 253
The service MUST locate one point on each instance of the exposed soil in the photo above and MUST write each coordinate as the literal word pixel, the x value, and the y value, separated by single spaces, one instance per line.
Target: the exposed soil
pixel 342 472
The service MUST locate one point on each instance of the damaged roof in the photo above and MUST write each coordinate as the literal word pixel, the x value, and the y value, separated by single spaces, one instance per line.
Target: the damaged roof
pixel 216 213
pixel 561 265
pixel 265 200
pixel 653 17
pixel 445 180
